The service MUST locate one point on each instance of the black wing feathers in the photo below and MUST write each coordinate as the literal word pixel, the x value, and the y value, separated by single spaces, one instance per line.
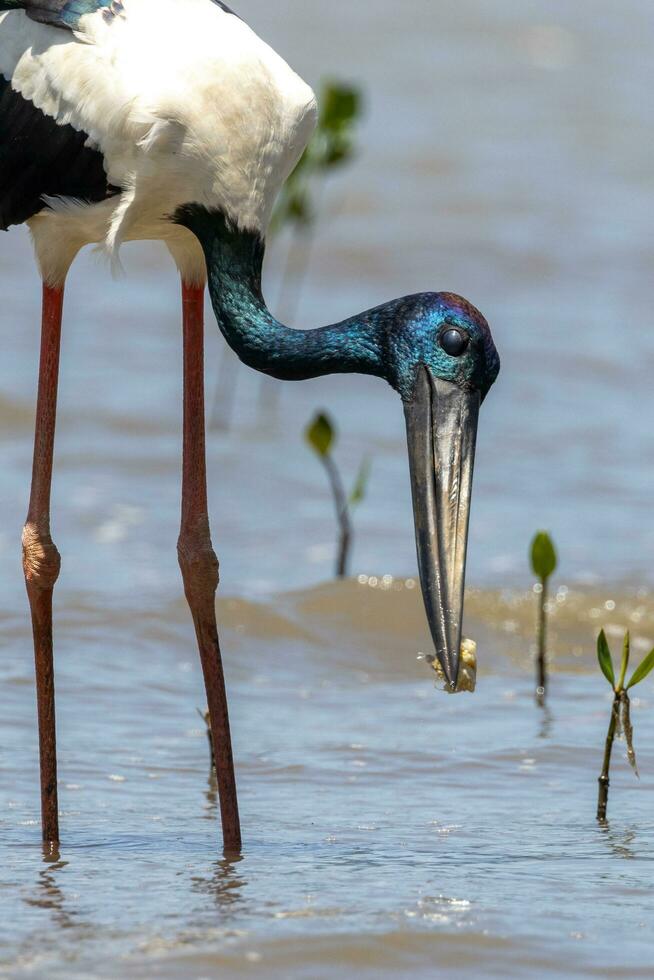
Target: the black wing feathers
pixel 39 158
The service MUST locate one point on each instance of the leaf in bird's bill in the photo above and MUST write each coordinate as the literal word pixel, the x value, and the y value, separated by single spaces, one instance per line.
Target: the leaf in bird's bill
pixel 604 658
pixel 642 670
pixel 361 483
pixel 320 434
pixel 543 555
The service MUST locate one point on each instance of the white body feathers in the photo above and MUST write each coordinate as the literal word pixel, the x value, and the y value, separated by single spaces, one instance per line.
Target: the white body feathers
pixel 186 104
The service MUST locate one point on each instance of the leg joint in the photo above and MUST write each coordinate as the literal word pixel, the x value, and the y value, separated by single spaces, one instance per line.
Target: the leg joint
pixel 41 560
pixel 198 563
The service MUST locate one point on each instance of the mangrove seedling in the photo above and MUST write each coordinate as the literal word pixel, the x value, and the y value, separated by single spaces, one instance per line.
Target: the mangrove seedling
pixel 321 437
pixel 620 723
pixel 543 564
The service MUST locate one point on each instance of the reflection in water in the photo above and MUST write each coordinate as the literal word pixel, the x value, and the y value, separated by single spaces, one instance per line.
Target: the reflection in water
pixel 224 886
pixel 619 839
pixel 48 894
pixel 546 720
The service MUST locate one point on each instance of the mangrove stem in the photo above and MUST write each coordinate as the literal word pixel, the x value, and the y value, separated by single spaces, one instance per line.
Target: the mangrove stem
pixel 603 794
pixel 541 685
pixel 342 515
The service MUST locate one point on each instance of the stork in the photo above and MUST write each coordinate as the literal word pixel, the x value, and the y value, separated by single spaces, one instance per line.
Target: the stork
pixel 171 120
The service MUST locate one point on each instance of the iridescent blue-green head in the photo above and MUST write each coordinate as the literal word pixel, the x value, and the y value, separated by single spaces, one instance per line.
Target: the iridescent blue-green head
pixel 441 332
pixel 435 349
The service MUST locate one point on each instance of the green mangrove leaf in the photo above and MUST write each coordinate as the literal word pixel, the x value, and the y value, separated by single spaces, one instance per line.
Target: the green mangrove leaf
pixel 642 670
pixel 626 645
pixel 361 482
pixel 604 658
pixel 543 555
pixel 340 105
pixel 320 434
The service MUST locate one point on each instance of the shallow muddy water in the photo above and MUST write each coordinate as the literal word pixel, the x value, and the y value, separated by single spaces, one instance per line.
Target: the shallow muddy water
pixel 389 829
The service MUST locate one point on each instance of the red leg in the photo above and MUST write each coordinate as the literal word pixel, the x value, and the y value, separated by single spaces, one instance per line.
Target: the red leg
pixel 198 561
pixel 40 557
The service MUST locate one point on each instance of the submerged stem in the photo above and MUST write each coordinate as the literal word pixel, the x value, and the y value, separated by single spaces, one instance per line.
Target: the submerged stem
pixel 603 795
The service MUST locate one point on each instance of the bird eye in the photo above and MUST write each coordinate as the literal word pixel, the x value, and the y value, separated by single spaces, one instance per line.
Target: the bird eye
pixel 454 341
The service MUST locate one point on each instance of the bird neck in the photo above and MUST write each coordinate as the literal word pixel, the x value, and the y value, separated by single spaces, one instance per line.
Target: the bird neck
pixel 234 262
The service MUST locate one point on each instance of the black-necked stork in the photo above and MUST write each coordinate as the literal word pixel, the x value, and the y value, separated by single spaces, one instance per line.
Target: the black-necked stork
pixel 172 120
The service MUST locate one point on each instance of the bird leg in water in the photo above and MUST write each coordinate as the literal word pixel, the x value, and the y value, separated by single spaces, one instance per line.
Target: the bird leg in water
pixel 198 561
pixel 41 560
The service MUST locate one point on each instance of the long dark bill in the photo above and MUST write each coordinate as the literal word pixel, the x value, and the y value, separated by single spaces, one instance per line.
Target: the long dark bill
pixel 441 423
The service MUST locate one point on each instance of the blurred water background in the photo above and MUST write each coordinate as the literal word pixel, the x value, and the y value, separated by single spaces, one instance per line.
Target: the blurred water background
pixel 506 154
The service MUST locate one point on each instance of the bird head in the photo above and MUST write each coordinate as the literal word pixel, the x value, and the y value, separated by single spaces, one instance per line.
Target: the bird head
pixel 440 356
pixel 443 333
